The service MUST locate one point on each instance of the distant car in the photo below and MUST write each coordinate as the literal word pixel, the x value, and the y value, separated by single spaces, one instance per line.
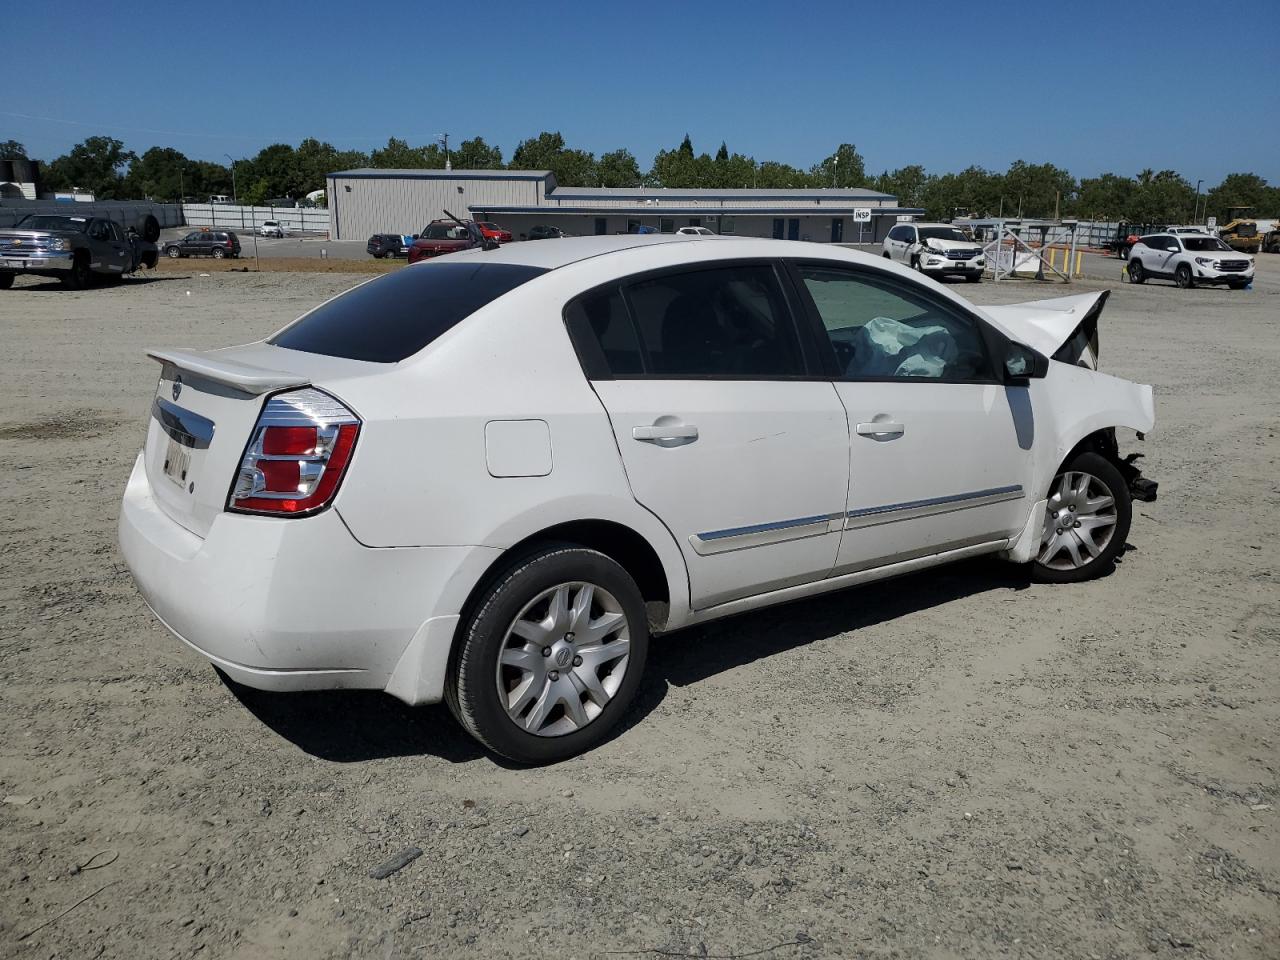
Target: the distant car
pixel 271 228
pixel 76 250
pixel 937 249
pixel 1189 259
pixel 543 232
pixel 204 243
pixel 382 245
pixel 695 232
pixel 448 236
pixel 495 232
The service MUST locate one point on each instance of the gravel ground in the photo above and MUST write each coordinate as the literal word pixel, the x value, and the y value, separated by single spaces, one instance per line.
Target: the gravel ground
pixel 954 764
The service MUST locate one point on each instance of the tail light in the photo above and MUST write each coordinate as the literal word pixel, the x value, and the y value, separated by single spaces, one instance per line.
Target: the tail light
pixel 228 243
pixel 296 456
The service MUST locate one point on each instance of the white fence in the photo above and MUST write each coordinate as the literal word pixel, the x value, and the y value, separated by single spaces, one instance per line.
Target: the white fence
pixel 293 219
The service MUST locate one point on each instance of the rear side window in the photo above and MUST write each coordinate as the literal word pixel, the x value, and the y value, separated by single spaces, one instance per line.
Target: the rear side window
pixel 395 316
pixel 603 335
pixel 721 322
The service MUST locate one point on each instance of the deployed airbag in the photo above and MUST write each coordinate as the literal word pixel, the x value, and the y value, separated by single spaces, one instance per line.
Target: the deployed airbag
pixel 890 348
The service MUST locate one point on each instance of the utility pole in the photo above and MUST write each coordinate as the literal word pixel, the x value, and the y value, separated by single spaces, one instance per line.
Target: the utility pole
pixel 1195 212
pixel 444 142
pixel 235 197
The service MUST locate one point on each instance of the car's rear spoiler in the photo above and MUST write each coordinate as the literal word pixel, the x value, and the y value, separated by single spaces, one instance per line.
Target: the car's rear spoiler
pixel 231 373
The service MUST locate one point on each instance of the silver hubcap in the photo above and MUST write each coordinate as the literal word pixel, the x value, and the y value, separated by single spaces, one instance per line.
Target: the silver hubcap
pixel 1079 523
pixel 563 659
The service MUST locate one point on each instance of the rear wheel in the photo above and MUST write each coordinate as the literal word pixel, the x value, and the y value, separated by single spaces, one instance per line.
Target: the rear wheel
pixel 1136 273
pixel 1123 253
pixel 1086 522
pixel 173 253
pixel 1182 277
pixel 80 275
pixel 219 253
pixel 6 280
pixel 552 656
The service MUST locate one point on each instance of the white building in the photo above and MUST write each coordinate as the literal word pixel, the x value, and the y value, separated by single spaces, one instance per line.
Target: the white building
pixel 368 201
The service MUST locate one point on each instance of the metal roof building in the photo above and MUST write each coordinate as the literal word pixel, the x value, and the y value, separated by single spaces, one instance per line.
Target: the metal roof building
pixel 367 201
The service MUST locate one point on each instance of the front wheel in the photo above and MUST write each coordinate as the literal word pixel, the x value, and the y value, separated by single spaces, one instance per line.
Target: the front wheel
pixel 1182 277
pixel 1123 253
pixel 551 657
pixel 1136 273
pixel 219 253
pixel 80 275
pixel 173 253
pixel 1237 284
pixel 6 280
pixel 1086 521
pixel 973 278
pixel 886 255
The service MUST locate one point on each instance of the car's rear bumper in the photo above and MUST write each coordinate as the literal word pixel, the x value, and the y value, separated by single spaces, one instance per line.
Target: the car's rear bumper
pixel 299 604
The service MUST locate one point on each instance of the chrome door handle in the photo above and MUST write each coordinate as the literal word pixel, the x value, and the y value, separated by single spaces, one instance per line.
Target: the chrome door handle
pixel 683 432
pixel 881 430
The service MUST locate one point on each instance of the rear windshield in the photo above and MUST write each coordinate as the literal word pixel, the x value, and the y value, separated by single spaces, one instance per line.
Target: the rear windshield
pixel 393 317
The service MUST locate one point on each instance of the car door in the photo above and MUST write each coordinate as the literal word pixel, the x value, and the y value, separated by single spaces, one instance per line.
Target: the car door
pixel 121 249
pixel 725 433
pixel 939 452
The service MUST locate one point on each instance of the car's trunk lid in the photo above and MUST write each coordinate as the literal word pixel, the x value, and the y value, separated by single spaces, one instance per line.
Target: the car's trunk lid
pixel 204 410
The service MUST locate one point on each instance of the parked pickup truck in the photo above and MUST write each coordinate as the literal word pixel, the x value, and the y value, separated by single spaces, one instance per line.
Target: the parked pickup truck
pixel 1127 235
pixel 76 250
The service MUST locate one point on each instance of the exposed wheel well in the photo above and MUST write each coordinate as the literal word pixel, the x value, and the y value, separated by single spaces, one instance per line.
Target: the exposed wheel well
pixel 620 543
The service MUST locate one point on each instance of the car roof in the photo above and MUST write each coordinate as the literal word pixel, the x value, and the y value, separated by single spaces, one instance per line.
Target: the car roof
pixel 569 250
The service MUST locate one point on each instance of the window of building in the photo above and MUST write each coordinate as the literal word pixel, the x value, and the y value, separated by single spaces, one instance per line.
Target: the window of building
pixel 602 226
pixel 726 225
pixel 667 225
pixel 695 221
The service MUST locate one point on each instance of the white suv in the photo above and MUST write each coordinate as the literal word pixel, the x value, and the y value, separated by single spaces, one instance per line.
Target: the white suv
pixel 938 249
pixel 271 228
pixel 488 478
pixel 1189 259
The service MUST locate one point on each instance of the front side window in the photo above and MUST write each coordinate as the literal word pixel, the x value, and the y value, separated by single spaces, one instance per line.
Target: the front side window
pixel 719 322
pixel 882 328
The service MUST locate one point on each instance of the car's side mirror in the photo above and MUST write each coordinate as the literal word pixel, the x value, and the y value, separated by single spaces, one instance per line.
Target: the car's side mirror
pixel 1022 364
pixel 1173 249
pixel 416 236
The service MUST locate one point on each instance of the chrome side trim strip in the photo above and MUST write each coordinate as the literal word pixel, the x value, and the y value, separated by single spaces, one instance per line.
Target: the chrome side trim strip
pixel 189 429
pixel 910 510
pixel 760 534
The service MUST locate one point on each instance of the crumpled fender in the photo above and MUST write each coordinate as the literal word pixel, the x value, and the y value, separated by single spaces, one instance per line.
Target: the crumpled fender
pixel 1045 325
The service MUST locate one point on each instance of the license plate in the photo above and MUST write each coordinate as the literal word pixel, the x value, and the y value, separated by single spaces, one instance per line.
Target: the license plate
pixel 177 461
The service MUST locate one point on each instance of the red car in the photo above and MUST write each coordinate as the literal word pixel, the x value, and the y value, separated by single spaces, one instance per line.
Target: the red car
pixel 495 232
pixel 447 236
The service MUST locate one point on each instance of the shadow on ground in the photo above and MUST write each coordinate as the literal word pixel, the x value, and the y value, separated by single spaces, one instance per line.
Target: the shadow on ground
pixel 349 726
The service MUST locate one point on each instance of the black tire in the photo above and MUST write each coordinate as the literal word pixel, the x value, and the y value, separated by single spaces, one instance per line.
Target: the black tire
pixel 973 278
pixel 6 280
pixel 1237 284
pixel 886 255
pixel 150 229
pixel 80 276
pixel 219 253
pixel 915 265
pixel 1105 473
pixel 1137 273
pixel 471 689
pixel 1182 277
pixel 1123 253
pixel 173 253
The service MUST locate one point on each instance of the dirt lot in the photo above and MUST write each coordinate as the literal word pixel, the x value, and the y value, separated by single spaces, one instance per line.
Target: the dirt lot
pixel 956 764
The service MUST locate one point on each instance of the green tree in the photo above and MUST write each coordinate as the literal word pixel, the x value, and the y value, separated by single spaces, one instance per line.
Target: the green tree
pixel 97 165
pixel 618 168
pixel 546 151
pixel 906 183
pixel 1241 190
pixel 1106 197
pixel 971 191
pixel 1037 189
pixel 475 154
pixel 1164 197
pixel 398 155
pixel 845 168
pixel 12 150
pixel 159 174
pixel 781 176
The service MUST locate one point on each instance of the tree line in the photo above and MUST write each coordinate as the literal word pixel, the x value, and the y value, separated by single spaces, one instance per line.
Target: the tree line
pixel 103 166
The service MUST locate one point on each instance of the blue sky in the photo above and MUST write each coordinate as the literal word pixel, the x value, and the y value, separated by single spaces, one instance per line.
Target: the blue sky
pixel 1085 85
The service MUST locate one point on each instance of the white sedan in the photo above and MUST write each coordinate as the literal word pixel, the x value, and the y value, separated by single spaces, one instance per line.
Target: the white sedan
pixel 489 478
pixel 271 228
